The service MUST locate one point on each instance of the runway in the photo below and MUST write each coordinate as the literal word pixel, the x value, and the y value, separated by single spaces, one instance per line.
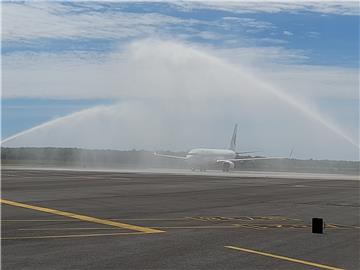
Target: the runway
pixel 72 219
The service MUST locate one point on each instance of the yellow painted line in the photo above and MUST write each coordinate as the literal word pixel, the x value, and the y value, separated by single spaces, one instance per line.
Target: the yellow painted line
pixel 284 258
pixel 82 217
pixel 157 227
pixel 62 220
pixel 69 236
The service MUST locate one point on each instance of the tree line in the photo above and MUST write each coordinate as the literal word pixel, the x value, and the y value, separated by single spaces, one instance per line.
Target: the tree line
pixel 76 157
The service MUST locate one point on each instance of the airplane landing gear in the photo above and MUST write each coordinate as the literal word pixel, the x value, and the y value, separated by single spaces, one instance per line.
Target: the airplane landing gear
pixel 226 167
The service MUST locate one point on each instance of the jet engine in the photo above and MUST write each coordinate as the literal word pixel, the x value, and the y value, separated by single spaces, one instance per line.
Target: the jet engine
pixel 227 165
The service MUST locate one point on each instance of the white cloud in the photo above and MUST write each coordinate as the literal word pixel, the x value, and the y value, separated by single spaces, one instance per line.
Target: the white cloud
pixel 269 6
pixel 29 20
pixel 288 33
pixel 262 56
pixel 24 22
pixel 174 96
pixel 206 35
pixel 250 23
pixel 313 34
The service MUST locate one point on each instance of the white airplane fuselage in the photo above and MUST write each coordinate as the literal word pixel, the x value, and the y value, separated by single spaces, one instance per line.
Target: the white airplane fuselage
pixel 202 157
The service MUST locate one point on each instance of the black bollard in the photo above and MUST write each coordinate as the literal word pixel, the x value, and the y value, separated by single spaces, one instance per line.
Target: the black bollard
pixel 317 225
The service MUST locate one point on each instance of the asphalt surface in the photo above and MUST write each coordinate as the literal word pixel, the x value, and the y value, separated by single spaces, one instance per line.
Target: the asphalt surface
pixel 54 219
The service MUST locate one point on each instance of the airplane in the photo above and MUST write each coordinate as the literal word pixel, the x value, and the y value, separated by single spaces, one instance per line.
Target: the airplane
pixel 203 157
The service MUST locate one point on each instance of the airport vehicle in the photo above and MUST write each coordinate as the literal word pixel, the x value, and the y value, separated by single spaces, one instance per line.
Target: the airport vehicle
pixel 201 158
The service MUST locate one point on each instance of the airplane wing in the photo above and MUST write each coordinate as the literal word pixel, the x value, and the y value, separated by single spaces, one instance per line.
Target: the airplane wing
pixel 246 159
pixel 168 156
pixel 256 158
pixel 247 152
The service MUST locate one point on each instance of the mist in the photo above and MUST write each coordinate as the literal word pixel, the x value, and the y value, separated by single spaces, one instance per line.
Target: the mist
pixel 169 95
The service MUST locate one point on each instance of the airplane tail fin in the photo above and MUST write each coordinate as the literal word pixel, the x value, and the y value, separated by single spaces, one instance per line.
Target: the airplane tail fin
pixel 291 153
pixel 233 139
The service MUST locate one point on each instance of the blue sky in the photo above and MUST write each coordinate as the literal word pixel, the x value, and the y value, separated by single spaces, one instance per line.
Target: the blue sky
pixel 287 42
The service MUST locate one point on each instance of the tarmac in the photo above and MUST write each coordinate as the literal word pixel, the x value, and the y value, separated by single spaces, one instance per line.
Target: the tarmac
pixel 73 219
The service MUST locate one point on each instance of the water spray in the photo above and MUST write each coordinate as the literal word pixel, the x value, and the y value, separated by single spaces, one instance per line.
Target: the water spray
pixel 192 53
